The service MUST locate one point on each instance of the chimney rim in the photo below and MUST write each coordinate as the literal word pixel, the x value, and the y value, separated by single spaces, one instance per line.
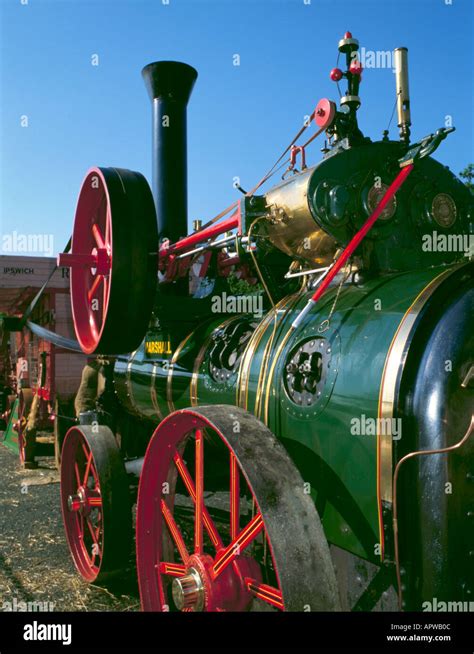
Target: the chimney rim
pixel 169 78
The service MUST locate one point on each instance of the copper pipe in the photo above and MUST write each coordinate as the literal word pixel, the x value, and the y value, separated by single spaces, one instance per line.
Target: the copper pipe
pixel 395 479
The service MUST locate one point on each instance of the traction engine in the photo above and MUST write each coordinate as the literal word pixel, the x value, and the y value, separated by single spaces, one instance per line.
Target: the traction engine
pixel 286 392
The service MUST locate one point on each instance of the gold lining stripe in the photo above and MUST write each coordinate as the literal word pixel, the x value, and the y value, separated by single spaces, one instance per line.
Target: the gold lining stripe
pixel 276 358
pixel 128 382
pixel 246 360
pixel 153 395
pixel 272 370
pixel 393 367
pixel 169 378
pixel 243 377
pixel 267 352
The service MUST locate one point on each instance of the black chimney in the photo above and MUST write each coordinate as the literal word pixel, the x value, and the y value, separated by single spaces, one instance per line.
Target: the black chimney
pixel 169 85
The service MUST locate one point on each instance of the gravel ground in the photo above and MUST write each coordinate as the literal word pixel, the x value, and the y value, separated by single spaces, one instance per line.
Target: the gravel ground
pixel 35 565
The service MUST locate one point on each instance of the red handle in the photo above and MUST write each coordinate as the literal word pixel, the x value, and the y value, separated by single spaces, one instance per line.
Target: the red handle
pixel 367 226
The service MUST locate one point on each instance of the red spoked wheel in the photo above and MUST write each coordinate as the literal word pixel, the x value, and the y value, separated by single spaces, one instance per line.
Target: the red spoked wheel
pixel 95 502
pixel 26 449
pixel 113 261
pixel 223 523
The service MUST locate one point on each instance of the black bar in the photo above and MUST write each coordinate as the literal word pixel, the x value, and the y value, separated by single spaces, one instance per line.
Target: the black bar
pixel 91 631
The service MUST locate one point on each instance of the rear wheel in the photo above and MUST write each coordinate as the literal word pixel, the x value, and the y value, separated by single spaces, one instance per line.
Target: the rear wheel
pixel 223 523
pixel 95 502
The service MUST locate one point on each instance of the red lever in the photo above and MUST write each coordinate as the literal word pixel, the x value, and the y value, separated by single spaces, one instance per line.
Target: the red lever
pixel 360 235
pixel 355 242
pixel 295 149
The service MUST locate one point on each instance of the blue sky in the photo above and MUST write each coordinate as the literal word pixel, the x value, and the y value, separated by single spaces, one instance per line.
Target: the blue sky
pixel 240 117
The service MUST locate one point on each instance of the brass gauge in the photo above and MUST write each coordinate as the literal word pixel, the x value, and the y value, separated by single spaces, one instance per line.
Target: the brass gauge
pixel 443 210
pixel 374 196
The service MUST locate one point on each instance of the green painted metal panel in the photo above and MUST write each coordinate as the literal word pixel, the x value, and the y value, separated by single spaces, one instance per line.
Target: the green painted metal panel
pixel 10 436
pixel 338 465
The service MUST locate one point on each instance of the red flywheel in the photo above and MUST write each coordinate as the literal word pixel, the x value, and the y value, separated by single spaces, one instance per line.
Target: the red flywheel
pixel 113 261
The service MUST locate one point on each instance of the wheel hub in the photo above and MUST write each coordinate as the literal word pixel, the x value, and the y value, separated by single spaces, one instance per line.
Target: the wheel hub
pixel 74 503
pixel 199 590
pixel 83 500
pixel 188 591
pixel 78 501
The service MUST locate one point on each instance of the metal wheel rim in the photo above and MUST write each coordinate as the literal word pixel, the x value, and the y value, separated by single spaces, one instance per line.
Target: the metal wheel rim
pixel 84 528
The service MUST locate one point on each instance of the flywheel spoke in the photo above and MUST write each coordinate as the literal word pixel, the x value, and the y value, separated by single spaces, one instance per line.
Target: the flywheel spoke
pixel 234 497
pixel 266 593
pixel 98 280
pixel 175 532
pixel 188 482
pixel 88 468
pixel 78 474
pixel 172 569
pixel 99 239
pixel 199 503
pixel 237 546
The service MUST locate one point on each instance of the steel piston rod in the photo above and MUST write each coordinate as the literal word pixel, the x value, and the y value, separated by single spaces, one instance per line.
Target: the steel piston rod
pixel 216 244
pixel 198 237
pixel 301 273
